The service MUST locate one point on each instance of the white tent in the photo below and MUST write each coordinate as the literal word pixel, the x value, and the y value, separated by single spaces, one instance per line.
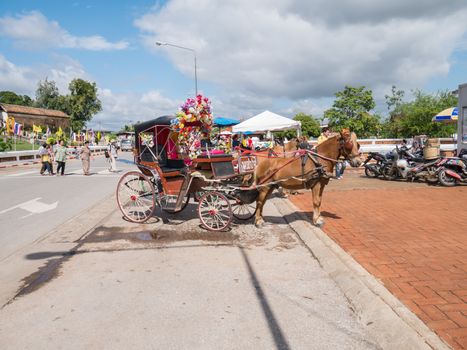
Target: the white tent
pixel 267 121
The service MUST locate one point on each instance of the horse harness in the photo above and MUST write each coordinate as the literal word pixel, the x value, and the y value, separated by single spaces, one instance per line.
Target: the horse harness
pixel 305 152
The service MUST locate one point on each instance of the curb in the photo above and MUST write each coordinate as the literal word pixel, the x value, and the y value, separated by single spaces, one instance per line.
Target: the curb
pixel 390 322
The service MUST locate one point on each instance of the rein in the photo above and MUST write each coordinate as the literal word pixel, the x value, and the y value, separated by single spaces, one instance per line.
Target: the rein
pixel 321 156
pixel 281 167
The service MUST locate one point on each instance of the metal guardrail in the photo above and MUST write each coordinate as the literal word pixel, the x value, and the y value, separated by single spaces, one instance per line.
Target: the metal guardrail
pixel 16 156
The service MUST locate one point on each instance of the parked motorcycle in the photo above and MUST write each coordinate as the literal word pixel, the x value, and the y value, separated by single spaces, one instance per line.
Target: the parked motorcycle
pixel 375 169
pixel 410 167
pixel 452 171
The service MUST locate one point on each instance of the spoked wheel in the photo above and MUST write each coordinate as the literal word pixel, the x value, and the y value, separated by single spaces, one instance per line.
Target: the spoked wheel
pixel 136 197
pixel 198 195
pixel 243 211
pixel 214 211
pixel 168 203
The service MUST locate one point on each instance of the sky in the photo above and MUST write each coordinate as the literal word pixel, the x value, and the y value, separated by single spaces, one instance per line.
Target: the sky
pixel 287 56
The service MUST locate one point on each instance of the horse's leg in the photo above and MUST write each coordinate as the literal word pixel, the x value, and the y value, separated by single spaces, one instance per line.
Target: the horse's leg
pixel 317 192
pixel 264 192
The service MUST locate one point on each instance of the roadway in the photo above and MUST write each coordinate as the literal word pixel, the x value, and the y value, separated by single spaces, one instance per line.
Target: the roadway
pixel 31 205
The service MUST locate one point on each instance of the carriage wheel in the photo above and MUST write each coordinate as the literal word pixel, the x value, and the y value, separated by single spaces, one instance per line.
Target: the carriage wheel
pixel 214 211
pixel 197 195
pixel 168 203
pixel 243 211
pixel 136 197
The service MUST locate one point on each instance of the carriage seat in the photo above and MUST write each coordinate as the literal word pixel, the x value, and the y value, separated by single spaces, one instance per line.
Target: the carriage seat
pixel 172 165
pixel 169 165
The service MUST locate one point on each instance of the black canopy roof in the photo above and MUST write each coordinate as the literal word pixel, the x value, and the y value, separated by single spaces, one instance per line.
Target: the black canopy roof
pixel 164 120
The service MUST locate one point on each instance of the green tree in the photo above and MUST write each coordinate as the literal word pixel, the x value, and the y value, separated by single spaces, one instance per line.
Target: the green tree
pixel 414 117
pixel 129 127
pixel 5 142
pixel 14 99
pixel 82 103
pixel 310 127
pixel 351 109
pixel 47 95
pixel 395 100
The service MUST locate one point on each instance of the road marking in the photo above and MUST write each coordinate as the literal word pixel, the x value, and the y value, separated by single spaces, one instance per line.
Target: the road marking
pixel 33 207
pixel 24 173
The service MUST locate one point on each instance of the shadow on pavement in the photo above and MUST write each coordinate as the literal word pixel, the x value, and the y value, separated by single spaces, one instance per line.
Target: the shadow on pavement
pixel 274 328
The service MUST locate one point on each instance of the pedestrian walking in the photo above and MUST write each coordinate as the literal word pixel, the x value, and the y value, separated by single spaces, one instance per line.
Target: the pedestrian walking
pixel 85 155
pixel 51 158
pixel 340 167
pixel 46 160
pixel 112 149
pixel 42 152
pixel 60 158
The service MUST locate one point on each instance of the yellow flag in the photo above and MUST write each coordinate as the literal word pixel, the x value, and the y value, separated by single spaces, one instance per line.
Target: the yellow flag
pixel 36 128
pixel 59 132
pixel 10 125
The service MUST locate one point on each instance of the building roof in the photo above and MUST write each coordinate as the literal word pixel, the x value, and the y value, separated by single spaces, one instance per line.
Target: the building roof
pixel 32 111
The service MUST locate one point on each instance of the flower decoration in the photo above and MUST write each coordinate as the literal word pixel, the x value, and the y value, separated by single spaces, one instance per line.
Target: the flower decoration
pixel 224 143
pixel 147 139
pixel 193 123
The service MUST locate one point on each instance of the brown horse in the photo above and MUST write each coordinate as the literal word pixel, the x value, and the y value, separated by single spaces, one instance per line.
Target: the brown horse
pixel 278 151
pixel 281 150
pixel 305 169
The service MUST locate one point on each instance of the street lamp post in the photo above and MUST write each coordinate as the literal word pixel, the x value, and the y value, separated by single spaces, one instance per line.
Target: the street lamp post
pixel 159 43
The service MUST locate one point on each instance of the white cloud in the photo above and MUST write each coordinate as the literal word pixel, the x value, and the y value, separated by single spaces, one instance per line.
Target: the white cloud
pixel 302 50
pixel 124 108
pixel 315 107
pixel 24 79
pixel 15 78
pixel 117 108
pixel 32 30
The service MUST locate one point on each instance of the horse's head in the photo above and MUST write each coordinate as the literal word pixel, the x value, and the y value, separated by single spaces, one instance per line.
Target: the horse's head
pixel 349 147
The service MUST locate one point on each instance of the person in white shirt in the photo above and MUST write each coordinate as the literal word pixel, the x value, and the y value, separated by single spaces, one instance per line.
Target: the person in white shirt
pixel 112 149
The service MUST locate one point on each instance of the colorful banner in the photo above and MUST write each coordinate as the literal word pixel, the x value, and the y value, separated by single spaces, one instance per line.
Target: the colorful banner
pixel 36 128
pixel 59 132
pixel 10 125
pixel 17 129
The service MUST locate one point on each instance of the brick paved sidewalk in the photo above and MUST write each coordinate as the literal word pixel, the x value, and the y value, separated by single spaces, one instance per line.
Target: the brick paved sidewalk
pixel 412 237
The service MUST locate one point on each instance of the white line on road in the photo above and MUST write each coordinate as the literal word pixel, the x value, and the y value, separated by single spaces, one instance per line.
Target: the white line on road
pixel 33 207
pixel 24 173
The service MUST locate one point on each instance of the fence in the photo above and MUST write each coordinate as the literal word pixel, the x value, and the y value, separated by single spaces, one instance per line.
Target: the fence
pixel 447 145
pixel 17 156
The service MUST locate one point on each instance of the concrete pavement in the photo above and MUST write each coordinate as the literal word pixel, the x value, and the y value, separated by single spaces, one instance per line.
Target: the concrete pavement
pixel 31 205
pixel 171 285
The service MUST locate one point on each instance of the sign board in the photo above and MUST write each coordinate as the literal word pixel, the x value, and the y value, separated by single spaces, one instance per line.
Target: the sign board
pixel 246 164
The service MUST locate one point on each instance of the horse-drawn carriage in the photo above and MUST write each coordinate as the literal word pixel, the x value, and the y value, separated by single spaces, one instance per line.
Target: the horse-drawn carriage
pixel 175 164
pixel 168 178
